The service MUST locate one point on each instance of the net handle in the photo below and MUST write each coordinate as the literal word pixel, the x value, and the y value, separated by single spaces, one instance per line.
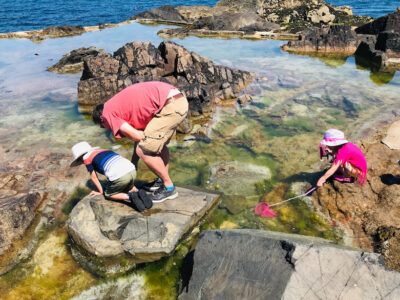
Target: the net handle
pixel 299 196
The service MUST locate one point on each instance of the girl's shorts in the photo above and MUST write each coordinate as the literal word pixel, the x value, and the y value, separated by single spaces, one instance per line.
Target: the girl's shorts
pixel 351 170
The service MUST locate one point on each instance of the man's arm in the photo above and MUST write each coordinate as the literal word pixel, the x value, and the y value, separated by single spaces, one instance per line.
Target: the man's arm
pixel 131 133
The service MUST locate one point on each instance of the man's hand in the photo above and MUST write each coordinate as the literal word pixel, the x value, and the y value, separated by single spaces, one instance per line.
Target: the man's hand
pixel 131 133
pixel 94 193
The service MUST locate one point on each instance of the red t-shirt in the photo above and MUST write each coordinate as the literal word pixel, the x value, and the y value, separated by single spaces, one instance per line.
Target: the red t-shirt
pixel 136 105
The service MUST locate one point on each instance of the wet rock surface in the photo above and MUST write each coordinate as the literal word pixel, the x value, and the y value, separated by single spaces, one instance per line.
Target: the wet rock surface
pixel 370 213
pixel 255 264
pixel 109 229
pixel 203 82
pixel 72 62
pixel 32 194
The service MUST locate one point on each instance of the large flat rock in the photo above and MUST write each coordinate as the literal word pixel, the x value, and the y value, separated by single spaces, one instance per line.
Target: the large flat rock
pixel 392 138
pixel 108 228
pixel 256 264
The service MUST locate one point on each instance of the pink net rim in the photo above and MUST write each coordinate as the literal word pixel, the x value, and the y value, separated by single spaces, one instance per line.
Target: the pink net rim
pixel 263 210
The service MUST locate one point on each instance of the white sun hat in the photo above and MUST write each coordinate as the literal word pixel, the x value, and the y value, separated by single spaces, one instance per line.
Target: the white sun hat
pixel 79 150
pixel 332 137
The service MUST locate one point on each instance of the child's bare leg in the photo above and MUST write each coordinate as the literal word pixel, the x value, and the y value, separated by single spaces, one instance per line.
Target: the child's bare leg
pixel 119 196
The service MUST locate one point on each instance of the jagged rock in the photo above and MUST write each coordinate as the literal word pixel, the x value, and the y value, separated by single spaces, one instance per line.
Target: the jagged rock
pixel 390 23
pixel 108 230
pixel 383 52
pixel 330 39
pixel 72 62
pixel 162 13
pixel 255 264
pixel 199 78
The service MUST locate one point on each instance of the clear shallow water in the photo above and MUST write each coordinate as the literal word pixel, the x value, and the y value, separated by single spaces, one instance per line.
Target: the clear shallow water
pixel 295 99
pixel 27 15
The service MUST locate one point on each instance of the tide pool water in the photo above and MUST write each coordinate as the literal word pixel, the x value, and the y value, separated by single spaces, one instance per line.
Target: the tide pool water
pixel 295 99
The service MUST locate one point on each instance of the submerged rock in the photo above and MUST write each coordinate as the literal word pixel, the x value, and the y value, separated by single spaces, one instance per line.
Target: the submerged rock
pixel 110 231
pixel 202 81
pixel 232 176
pixel 255 264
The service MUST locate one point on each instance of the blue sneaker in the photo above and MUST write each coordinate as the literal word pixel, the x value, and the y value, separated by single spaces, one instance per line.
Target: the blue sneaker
pixel 163 194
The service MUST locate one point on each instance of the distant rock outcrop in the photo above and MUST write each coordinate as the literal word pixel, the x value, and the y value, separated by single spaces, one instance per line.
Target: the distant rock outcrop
pixel 256 264
pixel 375 45
pixel 230 17
pixel 105 231
pixel 203 82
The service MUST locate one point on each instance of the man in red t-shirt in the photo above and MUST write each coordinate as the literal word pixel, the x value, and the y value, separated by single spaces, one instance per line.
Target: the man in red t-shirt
pixel 147 113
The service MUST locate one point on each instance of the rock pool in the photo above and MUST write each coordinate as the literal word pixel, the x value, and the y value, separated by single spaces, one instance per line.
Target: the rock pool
pixel 276 136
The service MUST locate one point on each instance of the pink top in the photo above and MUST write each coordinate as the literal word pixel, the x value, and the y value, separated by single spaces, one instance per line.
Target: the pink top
pixel 352 154
pixel 136 105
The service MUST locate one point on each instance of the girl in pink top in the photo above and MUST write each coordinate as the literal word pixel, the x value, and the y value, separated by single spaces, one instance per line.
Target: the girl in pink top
pixel 348 160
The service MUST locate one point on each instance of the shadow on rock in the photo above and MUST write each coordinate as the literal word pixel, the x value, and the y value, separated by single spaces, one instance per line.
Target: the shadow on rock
pixel 390 179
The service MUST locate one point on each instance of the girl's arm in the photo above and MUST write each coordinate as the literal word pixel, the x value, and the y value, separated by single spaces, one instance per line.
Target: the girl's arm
pixel 95 180
pixel 328 174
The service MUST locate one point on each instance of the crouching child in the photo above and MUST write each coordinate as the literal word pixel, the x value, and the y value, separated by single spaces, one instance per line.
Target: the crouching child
pixel 119 171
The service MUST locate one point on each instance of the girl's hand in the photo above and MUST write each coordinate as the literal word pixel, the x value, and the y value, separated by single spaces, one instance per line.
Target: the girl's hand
pixel 321 182
pixel 94 193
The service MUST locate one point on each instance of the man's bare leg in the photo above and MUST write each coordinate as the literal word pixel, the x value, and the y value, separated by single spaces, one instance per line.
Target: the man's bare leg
pixel 157 165
pixel 135 157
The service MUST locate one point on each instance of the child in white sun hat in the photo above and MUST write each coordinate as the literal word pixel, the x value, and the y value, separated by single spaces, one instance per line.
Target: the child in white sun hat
pixel 348 160
pixel 119 171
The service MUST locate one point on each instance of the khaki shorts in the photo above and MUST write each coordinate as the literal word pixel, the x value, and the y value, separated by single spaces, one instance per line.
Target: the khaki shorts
pixel 163 126
pixel 120 185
